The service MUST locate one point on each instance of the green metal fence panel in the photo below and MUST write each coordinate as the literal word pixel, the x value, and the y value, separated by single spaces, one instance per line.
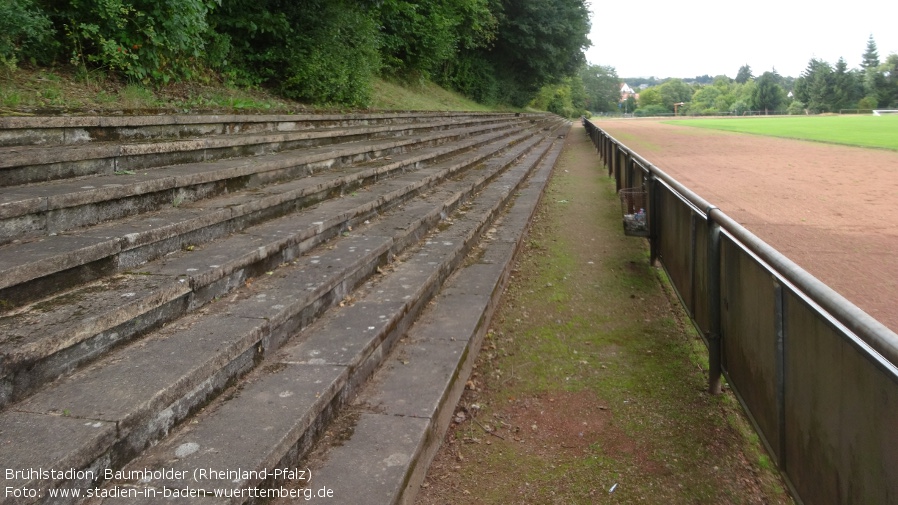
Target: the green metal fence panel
pixel 675 243
pixel 749 336
pixel 841 413
pixel 701 302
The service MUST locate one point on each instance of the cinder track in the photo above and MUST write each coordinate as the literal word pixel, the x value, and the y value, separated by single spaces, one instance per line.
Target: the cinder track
pixel 829 208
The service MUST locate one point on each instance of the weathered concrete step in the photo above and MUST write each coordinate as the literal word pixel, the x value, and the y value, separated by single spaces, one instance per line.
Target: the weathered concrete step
pixel 24 165
pixel 399 418
pixel 59 262
pixel 73 130
pixel 139 393
pixel 20 156
pixel 55 336
pixel 229 337
pixel 52 208
pixel 58 206
pixel 308 380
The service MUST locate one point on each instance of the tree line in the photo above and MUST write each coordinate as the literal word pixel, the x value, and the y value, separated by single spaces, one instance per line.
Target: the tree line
pixel 820 88
pixel 316 51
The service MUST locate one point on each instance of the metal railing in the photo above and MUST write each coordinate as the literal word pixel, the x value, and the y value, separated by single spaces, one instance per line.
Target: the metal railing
pixel 815 374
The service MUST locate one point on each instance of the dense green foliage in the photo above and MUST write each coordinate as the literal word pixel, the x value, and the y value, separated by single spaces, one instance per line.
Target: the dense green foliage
pixel 318 51
pixel 538 42
pixel 22 27
pixel 152 40
pixel 601 88
pixel 768 93
pixel 744 74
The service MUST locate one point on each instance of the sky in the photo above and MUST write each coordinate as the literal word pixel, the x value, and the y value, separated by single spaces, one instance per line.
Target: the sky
pixel 688 39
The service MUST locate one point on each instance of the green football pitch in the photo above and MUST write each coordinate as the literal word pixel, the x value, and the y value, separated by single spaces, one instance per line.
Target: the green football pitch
pixel 863 131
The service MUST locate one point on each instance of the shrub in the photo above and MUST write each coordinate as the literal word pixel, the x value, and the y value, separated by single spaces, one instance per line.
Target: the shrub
pixel 473 76
pixel 22 27
pixel 317 51
pixel 868 102
pixel 145 40
pixel 796 107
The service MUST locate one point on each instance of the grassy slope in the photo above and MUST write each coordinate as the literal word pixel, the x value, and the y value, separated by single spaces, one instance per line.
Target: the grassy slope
pixel 864 131
pixel 29 91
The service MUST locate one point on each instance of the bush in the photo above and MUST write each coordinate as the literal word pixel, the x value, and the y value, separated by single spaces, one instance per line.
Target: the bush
pixel 868 102
pixel 145 40
pixel 474 77
pixel 317 51
pixel 22 27
pixel 796 108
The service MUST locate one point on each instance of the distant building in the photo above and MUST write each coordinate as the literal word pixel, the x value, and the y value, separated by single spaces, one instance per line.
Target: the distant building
pixel 625 93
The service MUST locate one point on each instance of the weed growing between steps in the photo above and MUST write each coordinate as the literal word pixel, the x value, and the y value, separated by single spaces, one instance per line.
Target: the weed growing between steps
pixel 590 386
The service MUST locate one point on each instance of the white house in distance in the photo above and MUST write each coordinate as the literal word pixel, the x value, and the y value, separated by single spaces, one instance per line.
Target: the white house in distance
pixel 626 92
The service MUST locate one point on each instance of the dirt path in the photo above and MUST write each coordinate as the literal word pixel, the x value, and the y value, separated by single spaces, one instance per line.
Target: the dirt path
pixel 831 209
pixel 590 384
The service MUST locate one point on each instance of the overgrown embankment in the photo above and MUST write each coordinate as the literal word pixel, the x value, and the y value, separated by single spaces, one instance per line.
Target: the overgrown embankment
pixel 590 387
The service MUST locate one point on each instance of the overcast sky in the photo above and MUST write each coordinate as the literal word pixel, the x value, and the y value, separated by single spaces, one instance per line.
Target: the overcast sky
pixel 687 39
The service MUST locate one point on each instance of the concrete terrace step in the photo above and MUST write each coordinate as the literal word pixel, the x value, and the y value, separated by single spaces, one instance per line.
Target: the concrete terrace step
pixel 44 341
pixel 74 130
pixel 291 396
pixel 398 419
pixel 31 267
pixel 29 164
pixel 121 404
pixel 57 334
pixel 57 206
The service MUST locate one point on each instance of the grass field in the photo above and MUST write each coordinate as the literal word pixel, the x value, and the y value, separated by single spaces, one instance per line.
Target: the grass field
pixel 863 131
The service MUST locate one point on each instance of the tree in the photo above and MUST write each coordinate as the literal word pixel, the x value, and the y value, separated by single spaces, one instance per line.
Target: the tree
pixel 768 94
pixel 649 96
pixel 601 87
pixel 674 91
pixel 560 98
pixel 741 97
pixel 421 36
pixel 744 74
pixel 815 86
pixel 871 56
pixel 538 43
pixel 890 91
pixel 847 87
pixel 317 51
pixel 704 100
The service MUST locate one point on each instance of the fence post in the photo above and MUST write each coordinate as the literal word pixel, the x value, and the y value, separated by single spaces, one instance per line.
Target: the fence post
pixel 653 216
pixel 779 314
pixel 607 154
pixel 714 324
